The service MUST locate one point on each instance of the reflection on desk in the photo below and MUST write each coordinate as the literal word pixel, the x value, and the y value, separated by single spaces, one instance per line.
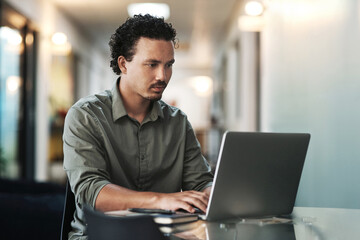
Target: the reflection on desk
pixel 240 230
pixel 306 224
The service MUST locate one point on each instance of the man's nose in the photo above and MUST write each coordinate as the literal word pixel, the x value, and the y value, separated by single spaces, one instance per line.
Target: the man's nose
pixel 161 74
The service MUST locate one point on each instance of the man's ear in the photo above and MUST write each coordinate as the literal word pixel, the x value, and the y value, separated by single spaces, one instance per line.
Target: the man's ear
pixel 122 64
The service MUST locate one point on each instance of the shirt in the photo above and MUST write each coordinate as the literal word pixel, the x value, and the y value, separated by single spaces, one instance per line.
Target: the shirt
pixel 103 144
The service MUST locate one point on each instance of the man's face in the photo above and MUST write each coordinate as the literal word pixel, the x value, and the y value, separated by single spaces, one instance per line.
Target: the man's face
pixel 150 70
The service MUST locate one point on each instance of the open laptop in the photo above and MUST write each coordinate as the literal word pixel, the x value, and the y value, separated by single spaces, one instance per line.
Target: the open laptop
pixel 257 175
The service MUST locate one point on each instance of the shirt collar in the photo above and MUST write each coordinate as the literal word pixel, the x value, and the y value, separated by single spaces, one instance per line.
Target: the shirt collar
pixel 156 111
pixel 118 108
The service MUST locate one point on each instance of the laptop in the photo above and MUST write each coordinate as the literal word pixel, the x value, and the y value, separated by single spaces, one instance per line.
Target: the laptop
pixel 257 175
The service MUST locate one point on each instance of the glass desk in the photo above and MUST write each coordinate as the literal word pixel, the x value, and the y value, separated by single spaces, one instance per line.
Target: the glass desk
pixel 306 224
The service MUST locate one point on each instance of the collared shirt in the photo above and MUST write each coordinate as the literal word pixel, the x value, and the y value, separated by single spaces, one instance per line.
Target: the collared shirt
pixel 103 144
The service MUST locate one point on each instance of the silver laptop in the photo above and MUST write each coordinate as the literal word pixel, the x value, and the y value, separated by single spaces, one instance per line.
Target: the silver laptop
pixel 257 175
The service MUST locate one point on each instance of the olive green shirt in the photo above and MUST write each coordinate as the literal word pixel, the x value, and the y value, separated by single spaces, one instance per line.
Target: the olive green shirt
pixel 103 144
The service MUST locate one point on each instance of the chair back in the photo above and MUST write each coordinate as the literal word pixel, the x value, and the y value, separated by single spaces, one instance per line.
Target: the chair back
pixel 104 227
pixel 68 213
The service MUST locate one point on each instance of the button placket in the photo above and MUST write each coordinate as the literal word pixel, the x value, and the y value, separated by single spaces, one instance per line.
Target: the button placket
pixel 142 157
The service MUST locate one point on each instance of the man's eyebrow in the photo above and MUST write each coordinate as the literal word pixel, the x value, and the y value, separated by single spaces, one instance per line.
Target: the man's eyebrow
pixel 152 60
pixel 158 61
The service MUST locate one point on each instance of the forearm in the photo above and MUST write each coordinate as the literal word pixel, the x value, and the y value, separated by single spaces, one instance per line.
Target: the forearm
pixel 114 197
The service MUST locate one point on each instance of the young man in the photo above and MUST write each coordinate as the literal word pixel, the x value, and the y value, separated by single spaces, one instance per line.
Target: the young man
pixel 126 148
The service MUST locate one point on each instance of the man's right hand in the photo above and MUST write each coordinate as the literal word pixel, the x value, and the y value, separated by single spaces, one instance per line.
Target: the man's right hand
pixel 186 200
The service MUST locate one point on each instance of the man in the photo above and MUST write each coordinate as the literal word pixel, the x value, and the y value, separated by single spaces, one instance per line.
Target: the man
pixel 125 148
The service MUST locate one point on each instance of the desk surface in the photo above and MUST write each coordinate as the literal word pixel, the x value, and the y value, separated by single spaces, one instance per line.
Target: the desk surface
pixel 307 224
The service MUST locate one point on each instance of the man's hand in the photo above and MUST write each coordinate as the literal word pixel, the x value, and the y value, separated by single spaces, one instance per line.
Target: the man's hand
pixel 207 191
pixel 186 200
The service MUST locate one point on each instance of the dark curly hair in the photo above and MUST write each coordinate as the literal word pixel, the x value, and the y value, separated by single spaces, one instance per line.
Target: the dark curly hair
pixel 125 38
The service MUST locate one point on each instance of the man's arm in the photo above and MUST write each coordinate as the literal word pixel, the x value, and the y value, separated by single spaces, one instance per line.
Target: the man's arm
pixel 114 197
pixel 197 172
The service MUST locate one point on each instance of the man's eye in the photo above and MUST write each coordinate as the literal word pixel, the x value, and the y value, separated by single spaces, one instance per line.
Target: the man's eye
pixel 169 65
pixel 152 65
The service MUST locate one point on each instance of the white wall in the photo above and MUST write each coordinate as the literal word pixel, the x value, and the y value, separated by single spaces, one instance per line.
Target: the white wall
pixel 94 66
pixel 181 90
pixel 311 83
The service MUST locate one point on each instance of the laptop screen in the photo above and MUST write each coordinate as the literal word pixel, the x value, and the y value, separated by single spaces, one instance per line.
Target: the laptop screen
pixel 257 174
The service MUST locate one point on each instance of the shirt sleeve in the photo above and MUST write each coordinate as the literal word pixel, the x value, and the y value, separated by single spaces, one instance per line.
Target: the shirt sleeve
pixel 197 172
pixel 84 156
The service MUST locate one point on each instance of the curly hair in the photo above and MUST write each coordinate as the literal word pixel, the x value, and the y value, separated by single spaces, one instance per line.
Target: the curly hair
pixel 123 41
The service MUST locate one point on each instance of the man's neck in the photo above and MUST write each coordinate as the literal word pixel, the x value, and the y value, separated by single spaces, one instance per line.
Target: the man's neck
pixel 136 106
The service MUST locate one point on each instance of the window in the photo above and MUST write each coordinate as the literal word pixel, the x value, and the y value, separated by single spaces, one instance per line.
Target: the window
pixel 17 93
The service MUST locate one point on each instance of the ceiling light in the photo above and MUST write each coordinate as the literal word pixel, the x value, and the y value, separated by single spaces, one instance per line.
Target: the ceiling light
pixel 15 39
pixel 154 9
pixel 13 83
pixel 202 85
pixel 59 38
pixel 60 46
pixel 13 36
pixel 254 8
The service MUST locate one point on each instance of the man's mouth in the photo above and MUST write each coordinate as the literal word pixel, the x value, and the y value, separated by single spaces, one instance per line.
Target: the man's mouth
pixel 158 87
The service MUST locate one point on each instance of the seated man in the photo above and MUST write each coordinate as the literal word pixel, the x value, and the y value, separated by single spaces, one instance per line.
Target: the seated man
pixel 125 148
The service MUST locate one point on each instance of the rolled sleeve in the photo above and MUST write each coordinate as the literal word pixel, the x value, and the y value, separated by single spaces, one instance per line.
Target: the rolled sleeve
pixel 84 158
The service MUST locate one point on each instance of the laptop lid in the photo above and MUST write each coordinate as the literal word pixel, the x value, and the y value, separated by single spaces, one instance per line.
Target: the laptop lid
pixel 257 174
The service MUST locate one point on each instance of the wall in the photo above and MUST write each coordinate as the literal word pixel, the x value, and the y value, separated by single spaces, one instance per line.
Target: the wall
pixel 180 90
pixel 311 83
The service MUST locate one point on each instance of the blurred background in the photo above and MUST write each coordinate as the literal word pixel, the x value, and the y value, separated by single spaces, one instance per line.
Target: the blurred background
pixel 266 65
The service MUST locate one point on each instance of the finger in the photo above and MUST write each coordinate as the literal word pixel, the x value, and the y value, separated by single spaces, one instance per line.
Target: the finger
pixel 187 200
pixel 204 198
pixel 186 206
pixel 195 202
pixel 199 205
pixel 199 195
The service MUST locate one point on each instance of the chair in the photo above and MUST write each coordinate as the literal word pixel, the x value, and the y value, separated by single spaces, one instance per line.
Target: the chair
pixel 68 213
pixel 105 227
pixel 30 209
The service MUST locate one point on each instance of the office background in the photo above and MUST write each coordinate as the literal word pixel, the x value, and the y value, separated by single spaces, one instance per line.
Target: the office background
pixel 293 69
